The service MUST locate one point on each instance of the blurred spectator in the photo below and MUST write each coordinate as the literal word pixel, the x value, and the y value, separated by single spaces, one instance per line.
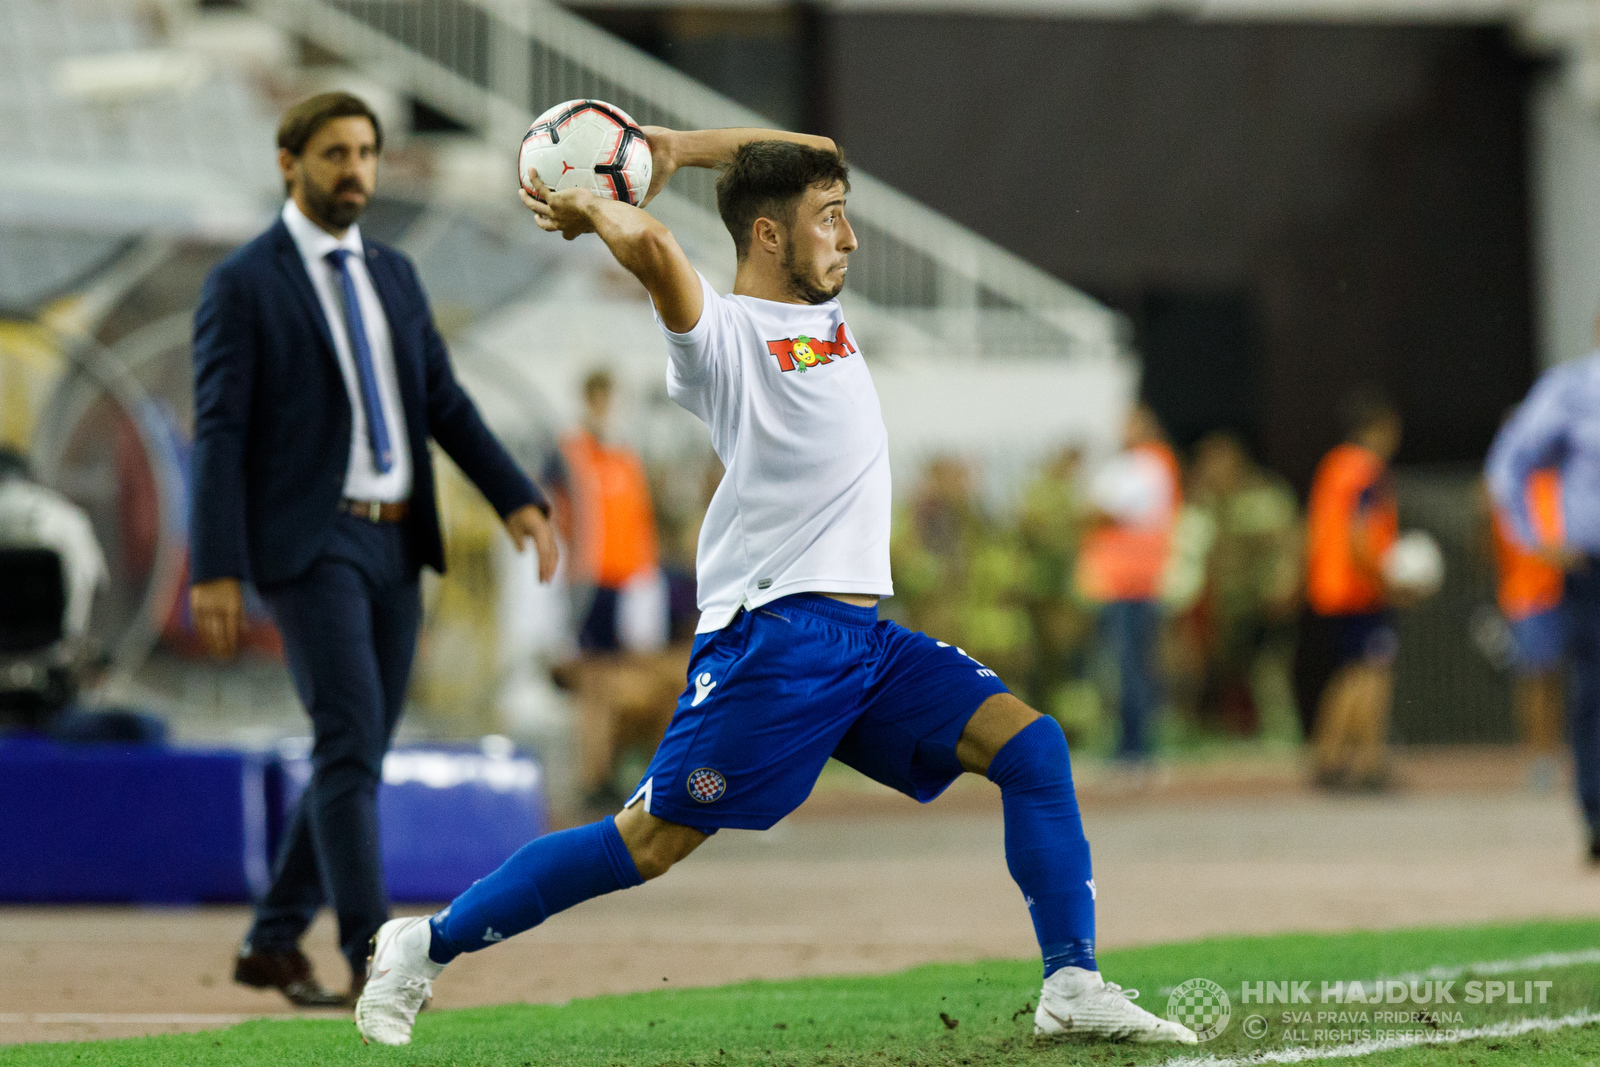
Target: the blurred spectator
pixel 680 515
pixel 1352 522
pixel 1529 592
pixel 1054 515
pixel 959 574
pixel 1558 426
pixel 1252 585
pixel 613 533
pixel 1135 499
pixel 625 689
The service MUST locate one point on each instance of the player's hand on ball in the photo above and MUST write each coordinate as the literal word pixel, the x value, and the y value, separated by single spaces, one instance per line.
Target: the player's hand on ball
pixel 563 212
pixel 663 159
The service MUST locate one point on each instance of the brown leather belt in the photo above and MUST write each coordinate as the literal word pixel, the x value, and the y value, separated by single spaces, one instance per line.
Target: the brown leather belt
pixel 376 510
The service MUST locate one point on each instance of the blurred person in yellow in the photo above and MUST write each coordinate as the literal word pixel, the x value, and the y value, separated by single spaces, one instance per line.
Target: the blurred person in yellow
pixel 1352 521
pixel 1529 584
pixel 959 572
pixel 625 692
pixel 934 535
pixel 1055 513
pixel 1135 499
pixel 1252 589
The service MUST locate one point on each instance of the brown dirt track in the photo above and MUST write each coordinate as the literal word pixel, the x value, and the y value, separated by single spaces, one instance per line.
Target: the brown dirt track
pixel 861 881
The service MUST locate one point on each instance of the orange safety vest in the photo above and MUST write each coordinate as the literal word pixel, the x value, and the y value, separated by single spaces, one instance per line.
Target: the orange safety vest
pixel 1125 561
pixel 615 523
pixel 1334 584
pixel 1529 585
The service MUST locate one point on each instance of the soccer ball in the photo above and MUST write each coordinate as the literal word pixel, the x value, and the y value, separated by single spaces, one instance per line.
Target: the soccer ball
pixel 587 144
pixel 1415 564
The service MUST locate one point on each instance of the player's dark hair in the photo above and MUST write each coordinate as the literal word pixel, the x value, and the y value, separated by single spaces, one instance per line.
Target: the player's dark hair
pixel 301 122
pixel 766 179
pixel 1364 407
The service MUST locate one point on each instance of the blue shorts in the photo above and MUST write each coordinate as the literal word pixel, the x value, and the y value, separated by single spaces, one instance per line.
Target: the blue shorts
pixel 780 689
pixel 1540 640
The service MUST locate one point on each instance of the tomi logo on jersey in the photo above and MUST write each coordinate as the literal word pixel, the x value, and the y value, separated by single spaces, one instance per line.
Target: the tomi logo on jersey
pixel 803 353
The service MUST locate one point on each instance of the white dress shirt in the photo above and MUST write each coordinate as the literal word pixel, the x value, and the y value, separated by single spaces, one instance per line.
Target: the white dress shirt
pixel 362 480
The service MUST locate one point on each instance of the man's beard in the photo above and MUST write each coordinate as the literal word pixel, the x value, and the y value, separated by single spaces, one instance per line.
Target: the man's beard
pixel 327 208
pixel 802 286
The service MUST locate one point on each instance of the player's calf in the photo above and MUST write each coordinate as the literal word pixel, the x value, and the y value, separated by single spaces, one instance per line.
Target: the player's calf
pixel 655 844
pixel 547 875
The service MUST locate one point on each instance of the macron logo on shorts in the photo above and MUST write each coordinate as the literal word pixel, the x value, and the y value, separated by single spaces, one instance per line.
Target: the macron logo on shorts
pixel 703 686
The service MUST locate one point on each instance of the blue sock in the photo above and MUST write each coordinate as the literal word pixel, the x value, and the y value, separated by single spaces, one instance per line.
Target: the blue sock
pixel 547 875
pixel 1045 848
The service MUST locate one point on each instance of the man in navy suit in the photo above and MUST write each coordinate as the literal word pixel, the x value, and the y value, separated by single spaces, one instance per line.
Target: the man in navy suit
pixel 319 378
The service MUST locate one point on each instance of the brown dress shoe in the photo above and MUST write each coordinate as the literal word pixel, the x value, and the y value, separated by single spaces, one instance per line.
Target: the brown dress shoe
pixel 288 972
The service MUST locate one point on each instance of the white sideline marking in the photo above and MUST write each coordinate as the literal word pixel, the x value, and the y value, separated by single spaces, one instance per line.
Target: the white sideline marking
pixel 1510 1028
pixel 1543 961
pixel 150 1019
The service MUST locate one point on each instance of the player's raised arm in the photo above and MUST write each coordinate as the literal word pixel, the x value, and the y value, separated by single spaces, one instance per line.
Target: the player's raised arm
pixel 671 149
pixel 638 241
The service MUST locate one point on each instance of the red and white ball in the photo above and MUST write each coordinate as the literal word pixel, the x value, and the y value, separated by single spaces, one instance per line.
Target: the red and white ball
pixel 587 144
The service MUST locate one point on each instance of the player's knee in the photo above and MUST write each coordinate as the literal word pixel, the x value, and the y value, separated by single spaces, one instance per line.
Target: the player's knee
pixel 1036 756
pixel 991 728
pixel 655 844
pixel 666 849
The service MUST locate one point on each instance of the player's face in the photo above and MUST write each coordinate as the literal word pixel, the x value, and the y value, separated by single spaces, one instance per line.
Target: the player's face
pixel 334 177
pixel 817 252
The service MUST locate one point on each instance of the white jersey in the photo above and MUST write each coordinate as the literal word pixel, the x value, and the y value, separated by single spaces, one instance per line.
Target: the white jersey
pixel 804 505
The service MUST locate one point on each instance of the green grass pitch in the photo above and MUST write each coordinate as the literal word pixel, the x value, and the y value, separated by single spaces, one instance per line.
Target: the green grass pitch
pixel 960 1015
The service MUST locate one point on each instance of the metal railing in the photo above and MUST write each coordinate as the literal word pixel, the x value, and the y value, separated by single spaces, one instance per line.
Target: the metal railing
pixel 494 64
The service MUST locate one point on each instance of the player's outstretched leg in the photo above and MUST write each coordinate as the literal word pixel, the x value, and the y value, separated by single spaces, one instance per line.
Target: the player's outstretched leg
pixel 1048 856
pixel 547 875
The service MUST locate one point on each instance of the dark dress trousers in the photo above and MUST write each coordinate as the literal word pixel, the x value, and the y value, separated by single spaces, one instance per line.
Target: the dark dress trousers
pixel 272 448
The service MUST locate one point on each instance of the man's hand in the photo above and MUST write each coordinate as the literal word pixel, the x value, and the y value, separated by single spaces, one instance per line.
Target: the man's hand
pixel 663 159
pixel 218 609
pixel 528 521
pixel 565 212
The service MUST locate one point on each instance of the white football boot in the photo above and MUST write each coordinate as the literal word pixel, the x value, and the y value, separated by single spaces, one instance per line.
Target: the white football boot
pixel 399 981
pixel 1079 1003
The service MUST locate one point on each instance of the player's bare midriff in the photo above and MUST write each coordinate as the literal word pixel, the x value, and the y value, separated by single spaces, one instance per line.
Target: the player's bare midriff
pixel 860 600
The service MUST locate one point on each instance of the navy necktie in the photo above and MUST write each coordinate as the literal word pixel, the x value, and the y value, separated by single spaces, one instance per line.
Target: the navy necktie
pixel 377 429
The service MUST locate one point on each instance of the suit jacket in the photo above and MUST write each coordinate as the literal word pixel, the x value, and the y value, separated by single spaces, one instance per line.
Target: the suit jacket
pixel 272 417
